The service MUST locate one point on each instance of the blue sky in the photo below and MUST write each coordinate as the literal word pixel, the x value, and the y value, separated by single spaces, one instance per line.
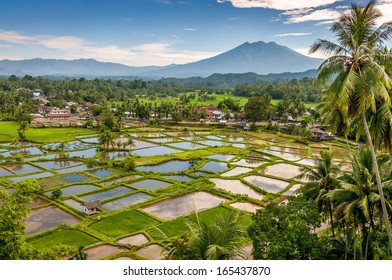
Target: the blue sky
pixel 160 32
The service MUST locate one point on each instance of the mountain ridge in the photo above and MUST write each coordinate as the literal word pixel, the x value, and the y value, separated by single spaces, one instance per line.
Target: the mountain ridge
pixel 258 57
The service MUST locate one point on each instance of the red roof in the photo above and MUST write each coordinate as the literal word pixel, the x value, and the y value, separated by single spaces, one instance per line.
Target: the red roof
pixel 59 115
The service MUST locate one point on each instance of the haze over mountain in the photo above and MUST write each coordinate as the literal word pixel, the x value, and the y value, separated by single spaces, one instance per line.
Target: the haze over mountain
pixel 259 57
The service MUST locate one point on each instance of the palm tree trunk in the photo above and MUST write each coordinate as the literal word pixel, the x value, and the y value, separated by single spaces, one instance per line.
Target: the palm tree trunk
pixel 348 145
pixel 378 179
pixel 331 217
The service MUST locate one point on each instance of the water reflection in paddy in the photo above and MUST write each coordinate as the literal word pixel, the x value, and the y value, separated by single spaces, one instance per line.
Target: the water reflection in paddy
pixel 184 205
pixel 120 180
pixel 155 151
pixel 179 178
pixel 23 151
pixel 150 184
pixel 138 144
pixel 84 153
pixel 236 187
pixel 126 201
pixel 282 170
pixel 248 162
pixel 213 143
pixel 213 137
pixel 72 169
pixel 200 174
pixel 57 164
pixel 117 191
pixel 21 168
pixel 283 155
pixel 246 206
pixel 4 172
pixel 236 171
pixel 76 189
pixel 117 155
pixel 92 140
pixel 74 204
pixel 74 178
pixel 33 176
pixel 221 157
pixel 187 145
pixel 267 184
pixel 292 190
pixel 102 173
pixel 214 166
pixel 170 166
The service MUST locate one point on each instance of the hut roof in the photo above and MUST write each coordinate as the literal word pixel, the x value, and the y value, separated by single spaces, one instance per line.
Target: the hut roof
pixel 93 204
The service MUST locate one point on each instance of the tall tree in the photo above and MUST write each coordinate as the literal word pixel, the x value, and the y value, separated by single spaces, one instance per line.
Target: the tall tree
pixel 322 180
pixel 13 214
pixel 360 80
pixel 358 198
pixel 258 108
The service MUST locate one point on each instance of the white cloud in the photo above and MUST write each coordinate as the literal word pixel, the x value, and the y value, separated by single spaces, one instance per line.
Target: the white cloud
pixel 63 43
pixel 189 29
pixel 282 5
pixel 305 51
pixel 71 47
pixel 15 37
pixel 292 34
pixel 386 8
pixel 315 15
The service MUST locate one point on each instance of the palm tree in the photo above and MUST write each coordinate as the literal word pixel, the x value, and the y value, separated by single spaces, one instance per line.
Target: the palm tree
pixel 338 120
pixel 358 198
pixel 222 240
pixel 323 179
pixel 360 80
pixel 106 138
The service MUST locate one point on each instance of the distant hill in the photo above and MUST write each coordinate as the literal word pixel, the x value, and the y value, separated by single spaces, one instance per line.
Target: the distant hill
pixel 259 58
pixel 232 80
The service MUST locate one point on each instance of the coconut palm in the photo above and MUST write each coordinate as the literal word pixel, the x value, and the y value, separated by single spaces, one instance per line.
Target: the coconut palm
pixel 358 198
pixel 338 120
pixel 323 179
pixel 360 80
pixel 222 240
pixel 106 138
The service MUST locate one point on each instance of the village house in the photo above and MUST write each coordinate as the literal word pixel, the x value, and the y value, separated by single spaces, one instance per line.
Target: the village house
pixel 320 135
pixel 92 207
pixel 54 112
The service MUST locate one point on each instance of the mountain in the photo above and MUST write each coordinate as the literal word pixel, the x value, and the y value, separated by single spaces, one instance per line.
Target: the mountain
pixel 259 57
pixel 60 67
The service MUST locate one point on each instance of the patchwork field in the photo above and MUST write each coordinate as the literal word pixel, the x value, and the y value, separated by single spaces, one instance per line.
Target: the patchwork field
pixel 177 173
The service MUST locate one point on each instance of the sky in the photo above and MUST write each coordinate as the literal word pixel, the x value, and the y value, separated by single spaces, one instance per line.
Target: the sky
pixel 161 32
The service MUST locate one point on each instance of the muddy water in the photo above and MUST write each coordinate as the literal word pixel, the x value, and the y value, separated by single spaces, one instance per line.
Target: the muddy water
pixel 236 187
pixel 184 205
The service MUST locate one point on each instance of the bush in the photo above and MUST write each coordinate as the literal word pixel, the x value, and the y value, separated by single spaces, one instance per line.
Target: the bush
pixel 57 193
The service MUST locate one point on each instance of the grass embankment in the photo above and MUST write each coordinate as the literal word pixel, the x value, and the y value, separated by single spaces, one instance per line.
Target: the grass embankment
pixel 9 130
pixel 70 237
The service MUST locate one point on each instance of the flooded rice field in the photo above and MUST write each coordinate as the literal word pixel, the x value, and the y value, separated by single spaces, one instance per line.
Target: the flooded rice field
pixel 177 173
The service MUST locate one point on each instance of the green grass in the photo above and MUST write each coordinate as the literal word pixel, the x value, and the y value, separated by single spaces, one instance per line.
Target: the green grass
pixel 170 229
pixel 56 134
pixel 210 216
pixel 70 237
pixel 8 131
pixel 124 223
